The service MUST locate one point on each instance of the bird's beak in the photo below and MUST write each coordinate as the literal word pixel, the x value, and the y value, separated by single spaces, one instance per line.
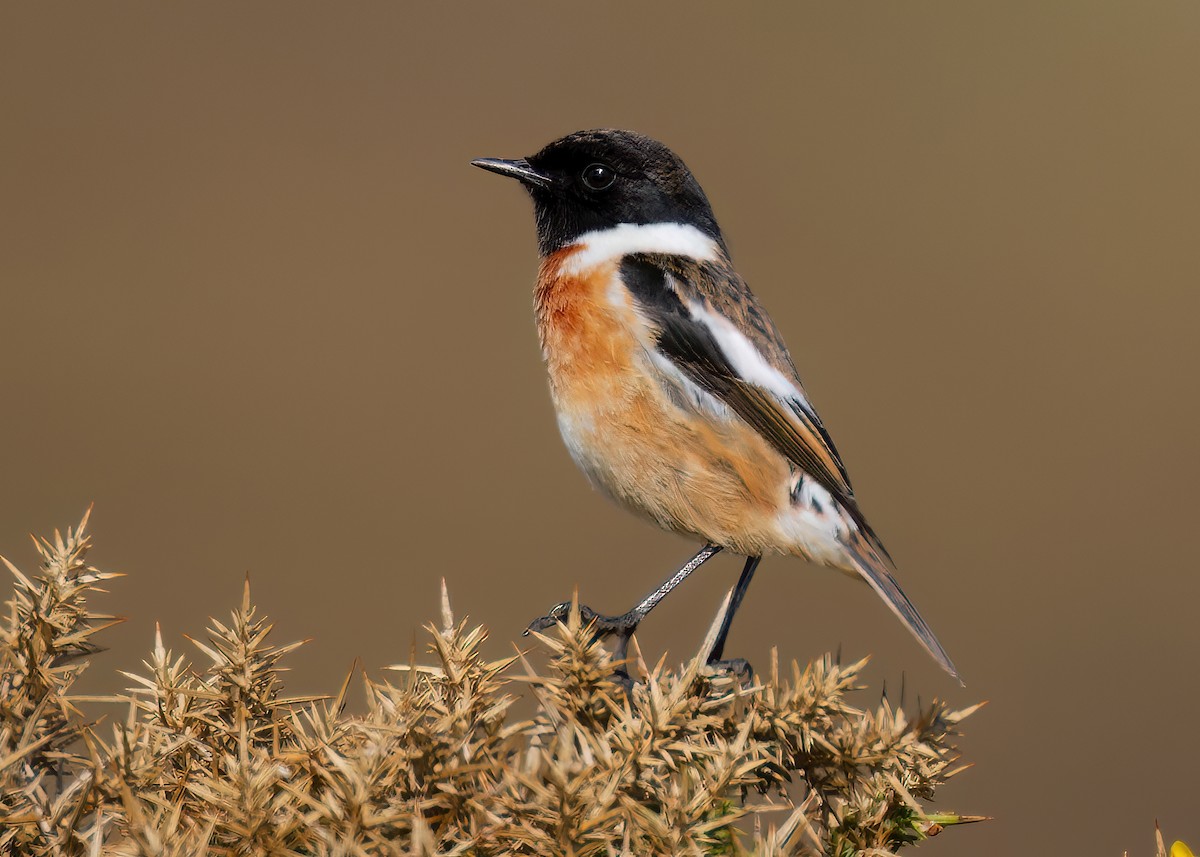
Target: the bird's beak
pixel 519 169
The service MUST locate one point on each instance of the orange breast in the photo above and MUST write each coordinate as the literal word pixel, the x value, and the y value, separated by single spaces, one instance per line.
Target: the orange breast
pixel 685 468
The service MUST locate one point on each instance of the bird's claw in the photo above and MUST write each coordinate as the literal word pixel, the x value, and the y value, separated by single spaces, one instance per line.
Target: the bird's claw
pixel 558 613
pixel 737 666
pixel 602 626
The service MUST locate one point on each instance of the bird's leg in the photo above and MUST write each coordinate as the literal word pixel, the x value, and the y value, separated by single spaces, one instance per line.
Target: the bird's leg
pixel 738 665
pixel 623 626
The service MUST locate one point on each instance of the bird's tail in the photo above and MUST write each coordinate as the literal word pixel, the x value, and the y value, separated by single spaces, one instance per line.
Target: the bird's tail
pixel 875 566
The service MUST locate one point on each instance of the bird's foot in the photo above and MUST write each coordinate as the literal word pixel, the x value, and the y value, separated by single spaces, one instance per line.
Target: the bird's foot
pixel 739 667
pixel 621 626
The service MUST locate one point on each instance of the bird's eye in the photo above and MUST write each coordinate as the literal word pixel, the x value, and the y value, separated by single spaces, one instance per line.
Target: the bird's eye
pixel 598 176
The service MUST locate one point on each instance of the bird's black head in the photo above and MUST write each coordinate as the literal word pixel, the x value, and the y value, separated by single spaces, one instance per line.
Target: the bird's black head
pixel 593 180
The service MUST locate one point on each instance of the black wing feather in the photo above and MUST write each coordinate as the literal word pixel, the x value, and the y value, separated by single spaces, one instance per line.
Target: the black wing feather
pixel 691 345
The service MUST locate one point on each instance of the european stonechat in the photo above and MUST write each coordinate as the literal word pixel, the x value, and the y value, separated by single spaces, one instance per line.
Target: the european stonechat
pixel 674 391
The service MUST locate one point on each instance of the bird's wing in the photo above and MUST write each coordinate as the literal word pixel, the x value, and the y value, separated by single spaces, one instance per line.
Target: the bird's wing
pixel 708 324
pixel 705 321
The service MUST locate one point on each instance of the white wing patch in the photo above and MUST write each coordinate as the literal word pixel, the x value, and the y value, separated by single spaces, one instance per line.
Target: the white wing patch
pixel 674 239
pixel 747 360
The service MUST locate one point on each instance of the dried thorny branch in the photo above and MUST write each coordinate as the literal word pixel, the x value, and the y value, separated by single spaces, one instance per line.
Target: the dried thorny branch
pixel 45 635
pixel 214 758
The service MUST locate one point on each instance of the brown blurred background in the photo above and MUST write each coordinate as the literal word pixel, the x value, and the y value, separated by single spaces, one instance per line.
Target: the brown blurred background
pixel 256 305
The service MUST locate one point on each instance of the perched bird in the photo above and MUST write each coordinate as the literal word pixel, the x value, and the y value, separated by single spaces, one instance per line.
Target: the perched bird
pixel 674 391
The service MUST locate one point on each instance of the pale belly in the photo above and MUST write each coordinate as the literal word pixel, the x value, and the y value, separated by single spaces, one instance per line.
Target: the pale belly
pixel 688 471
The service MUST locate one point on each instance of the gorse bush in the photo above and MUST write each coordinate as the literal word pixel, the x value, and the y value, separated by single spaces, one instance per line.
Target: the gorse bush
pixel 215 758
